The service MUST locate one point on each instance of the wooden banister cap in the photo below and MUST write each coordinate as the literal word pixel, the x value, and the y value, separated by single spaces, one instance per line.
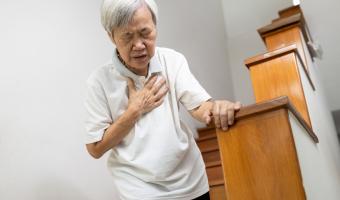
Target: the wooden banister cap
pixel 277 53
pixel 270 105
pixel 274 104
pixel 270 55
pixel 280 23
pixel 292 10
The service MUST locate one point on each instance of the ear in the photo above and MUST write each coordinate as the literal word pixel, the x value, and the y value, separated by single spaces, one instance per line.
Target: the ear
pixel 110 34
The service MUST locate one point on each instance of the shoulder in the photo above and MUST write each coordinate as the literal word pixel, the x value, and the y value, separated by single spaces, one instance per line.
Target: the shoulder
pixel 172 60
pixel 168 53
pixel 100 74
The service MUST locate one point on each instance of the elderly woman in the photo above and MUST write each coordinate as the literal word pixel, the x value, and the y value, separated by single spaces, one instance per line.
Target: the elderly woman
pixel 132 107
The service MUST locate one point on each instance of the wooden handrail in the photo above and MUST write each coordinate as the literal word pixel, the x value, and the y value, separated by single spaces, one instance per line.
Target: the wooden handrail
pixel 277 103
pixel 279 24
pixel 273 104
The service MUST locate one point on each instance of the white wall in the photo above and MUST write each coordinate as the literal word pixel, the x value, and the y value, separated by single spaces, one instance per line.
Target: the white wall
pixel 48 49
pixel 196 29
pixel 322 19
pixel 327 151
pixel 242 19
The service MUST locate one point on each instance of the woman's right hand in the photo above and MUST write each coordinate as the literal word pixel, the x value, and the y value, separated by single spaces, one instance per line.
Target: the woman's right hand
pixel 149 97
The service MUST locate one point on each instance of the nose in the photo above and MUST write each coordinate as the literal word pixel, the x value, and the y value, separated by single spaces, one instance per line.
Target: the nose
pixel 138 44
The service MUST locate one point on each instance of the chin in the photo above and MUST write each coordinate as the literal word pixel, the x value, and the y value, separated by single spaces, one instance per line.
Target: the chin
pixel 139 68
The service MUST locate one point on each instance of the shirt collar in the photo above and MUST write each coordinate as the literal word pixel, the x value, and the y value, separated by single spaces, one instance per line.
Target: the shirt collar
pixel 154 67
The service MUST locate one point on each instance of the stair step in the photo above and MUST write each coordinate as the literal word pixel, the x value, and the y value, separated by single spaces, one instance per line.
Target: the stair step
pixel 211 156
pixel 215 175
pixel 204 132
pixel 209 149
pixel 206 137
pixel 208 144
pixel 213 164
pixel 216 183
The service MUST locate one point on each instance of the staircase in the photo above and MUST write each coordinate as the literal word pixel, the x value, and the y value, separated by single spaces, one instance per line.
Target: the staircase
pixel 272 152
pixel 208 146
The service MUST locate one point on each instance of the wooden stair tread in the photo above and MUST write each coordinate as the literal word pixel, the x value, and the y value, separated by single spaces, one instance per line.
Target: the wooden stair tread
pixel 216 182
pixel 212 163
pixel 206 132
pixel 210 149
pixel 206 137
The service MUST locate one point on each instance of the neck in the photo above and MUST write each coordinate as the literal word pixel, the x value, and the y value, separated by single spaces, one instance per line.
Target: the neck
pixel 139 73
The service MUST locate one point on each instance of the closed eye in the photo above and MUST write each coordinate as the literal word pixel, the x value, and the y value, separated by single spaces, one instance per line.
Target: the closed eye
pixel 127 36
pixel 145 32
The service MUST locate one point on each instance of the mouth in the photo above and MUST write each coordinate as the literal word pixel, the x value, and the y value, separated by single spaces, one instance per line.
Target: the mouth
pixel 140 57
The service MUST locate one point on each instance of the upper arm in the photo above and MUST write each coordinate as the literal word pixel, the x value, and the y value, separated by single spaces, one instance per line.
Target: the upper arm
pixel 98 117
pixel 188 90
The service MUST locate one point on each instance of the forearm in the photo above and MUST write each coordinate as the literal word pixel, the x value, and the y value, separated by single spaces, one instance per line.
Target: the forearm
pixel 115 133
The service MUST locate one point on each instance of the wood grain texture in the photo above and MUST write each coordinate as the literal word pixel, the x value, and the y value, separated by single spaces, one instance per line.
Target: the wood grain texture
pixel 282 31
pixel 215 175
pixel 278 77
pixel 292 10
pixel 279 24
pixel 217 193
pixel 286 38
pixel 208 145
pixel 206 132
pixel 211 156
pixel 259 158
pixel 274 104
pixel 277 53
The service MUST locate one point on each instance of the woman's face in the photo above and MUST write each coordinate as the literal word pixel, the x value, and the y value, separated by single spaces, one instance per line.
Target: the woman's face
pixel 136 41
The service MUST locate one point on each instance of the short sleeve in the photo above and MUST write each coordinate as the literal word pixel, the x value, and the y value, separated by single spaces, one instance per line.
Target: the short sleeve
pixel 98 117
pixel 188 90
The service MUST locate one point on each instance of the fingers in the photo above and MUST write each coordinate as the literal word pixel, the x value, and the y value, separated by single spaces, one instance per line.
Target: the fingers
pixel 224 113
pixel 157 86
pixel 224 116
pixel 237 106
pixel 161 93
pixel 207 116
pixel 158 103
pixel 230 113
pixel 159 98
pixel 216 113
pixel 149 83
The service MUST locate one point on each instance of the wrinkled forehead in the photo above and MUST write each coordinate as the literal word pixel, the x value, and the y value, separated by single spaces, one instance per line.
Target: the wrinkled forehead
pixel 141 18
pixel 141 12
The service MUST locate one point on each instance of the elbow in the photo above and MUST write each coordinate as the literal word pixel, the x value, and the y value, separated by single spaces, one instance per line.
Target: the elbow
pixel 95 155
pixel 93 151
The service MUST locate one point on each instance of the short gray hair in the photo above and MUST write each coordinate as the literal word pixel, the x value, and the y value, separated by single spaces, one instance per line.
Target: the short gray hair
pixel 118 13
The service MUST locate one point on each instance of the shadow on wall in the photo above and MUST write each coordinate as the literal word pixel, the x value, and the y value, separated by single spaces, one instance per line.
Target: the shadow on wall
pixel 56 189
pixel 336 117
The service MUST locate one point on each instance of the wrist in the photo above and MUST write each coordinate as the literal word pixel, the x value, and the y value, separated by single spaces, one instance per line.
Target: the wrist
pixel 134 112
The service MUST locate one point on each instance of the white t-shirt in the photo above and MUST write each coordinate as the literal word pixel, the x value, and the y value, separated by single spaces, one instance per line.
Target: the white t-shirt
pixel 159 158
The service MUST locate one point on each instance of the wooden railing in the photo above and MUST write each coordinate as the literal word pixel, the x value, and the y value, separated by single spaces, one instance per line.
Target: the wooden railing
pixel 269 153
pixel 256 157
